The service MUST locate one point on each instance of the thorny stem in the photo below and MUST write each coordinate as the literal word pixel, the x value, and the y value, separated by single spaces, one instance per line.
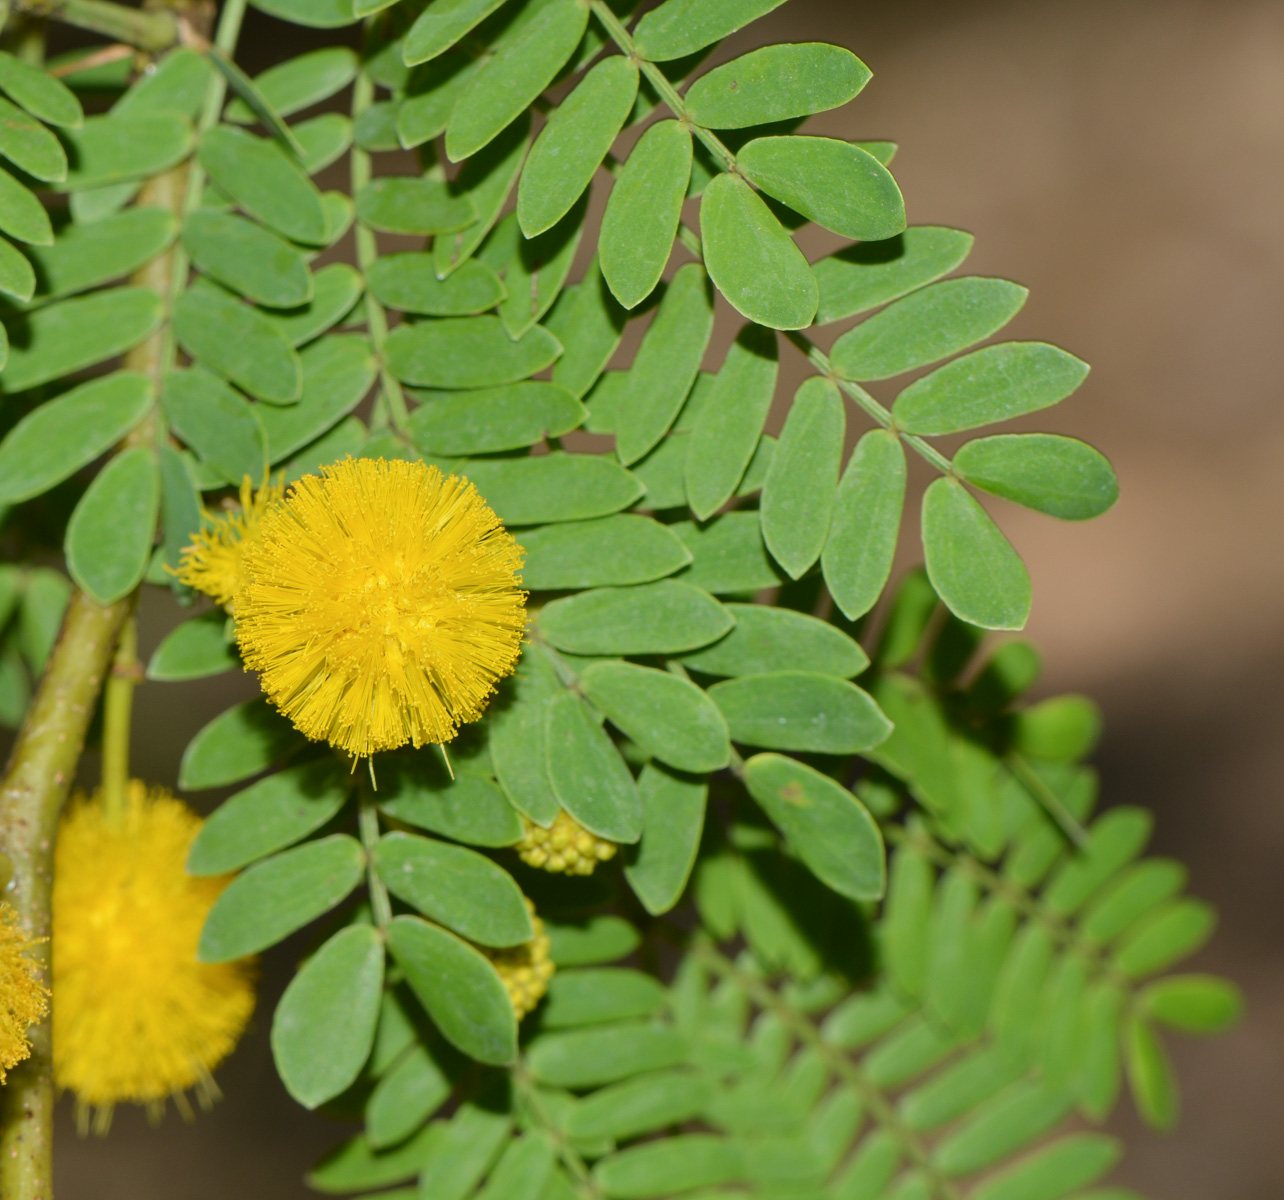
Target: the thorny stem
pixel 391 402
pixel 118 706
pixel 148 30
pixel 36 783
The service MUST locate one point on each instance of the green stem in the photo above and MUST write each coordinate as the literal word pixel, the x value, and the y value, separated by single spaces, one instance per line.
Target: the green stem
pixel 1048 800
pixel 148 30
pixel 36 783
pixel 118 707
pixel 391 402
pixel 368 825
pixel 571 1158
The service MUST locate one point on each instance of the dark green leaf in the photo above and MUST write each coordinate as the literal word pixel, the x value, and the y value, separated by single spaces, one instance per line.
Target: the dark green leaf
pixel 247 258
pixel 196 649
pixel 357 1164
pixel 337 373
pixel 588 775
pixel 672 820
pixel 431 94
pixel 525 1171
pixel 554 487
pixel 1056 475
pixel 217 423
pixel 109 536
pixel 409 282
pixel 245 89
pixel 667 617
pixel 766 638
pixel 236 744
pixel 609 551
pixel 467 1144
pixel 279 895
pixel 585 1058
pixel 681 27
pixel 800 710
pixel 441 25
pixel 324 1026
pixel 467 352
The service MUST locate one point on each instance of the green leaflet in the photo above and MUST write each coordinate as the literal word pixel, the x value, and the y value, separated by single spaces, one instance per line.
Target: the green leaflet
pixel 109 536
pixel 535 274
pixel 264 181
pixel 30 146
pixel 217 423
pixel 236 744
pixel 336 373
pixel 17 279
pixel 839 186
pixel 323 140
pixel 610 551
pixel 409 282
pixel 196 649
pixel 778 639
pixel 861 543
pixel 180 505
pixel 65 337
pixel 1165 936
pixel 673 808
pixel 324 1026
pixel 861 277
pixel 239 343
pixel 597 995
pixel 441 25
pixel 59 437
pixel 666 364
pixel 248 259
pixel 84 256
pixel 268 815
pixel 459 888
pixel 751 258
pixel 681 27
pixel 588 1057
pixel 22 216
pixel 431 95
pixel 469 808
pixel 827 826
pixel 588 322
pixel 553 487
pixel 641 1105
pixel 279 895
pixel 458 987
pixel 514 77
pixel 114 148
pixel 642 212
pixel 1194 1003
pixel 407 204
pixel 800 710
pixel 588 776
pixel 578 136
pixel 668 717
pixel 178 85
pixel 40 93
pixel 676 1164
pixel 1056 475
pixel 776 83
pixel 299 83
pixel 729 555
pixel 407 1095
pixel 1054 1170
pixel 335 290
pixel 725 434
pixel 802 481
pixel 493 419
pixel 971 564
pixel 667 617
pixel 467 352
pixel 318 14
pixel 927 325
pixel 598 940
pixel 519 748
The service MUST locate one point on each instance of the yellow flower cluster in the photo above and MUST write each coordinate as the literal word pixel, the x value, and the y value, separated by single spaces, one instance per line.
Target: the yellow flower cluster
pixel 565 846
pixel 214 562
pixel 136 1016
pixel 23 999
pixel 379 602
pixel 526 969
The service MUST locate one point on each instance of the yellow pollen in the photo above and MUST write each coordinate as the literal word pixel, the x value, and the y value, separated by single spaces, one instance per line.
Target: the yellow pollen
pixel 381 606
pixel 23 999
pixel 565 846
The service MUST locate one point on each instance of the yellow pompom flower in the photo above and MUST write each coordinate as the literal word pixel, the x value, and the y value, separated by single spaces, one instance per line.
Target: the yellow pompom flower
pixel 526 969
pixel 136 1017
pixel 23 999
pixel 381 605
pixel 565 846
pixel 213 563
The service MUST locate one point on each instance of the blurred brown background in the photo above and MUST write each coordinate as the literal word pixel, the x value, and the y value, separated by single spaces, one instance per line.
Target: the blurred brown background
pixel 1125 159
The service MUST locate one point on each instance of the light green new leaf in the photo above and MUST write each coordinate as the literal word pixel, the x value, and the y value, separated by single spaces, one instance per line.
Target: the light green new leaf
pixel 1164 937
pixel 752 259
pixel 864 276
pixel 861 544
pixel 113 149
pixel 553 487
pixel 512 79
pixel 412 205
pixel 409 282
pixel 1059 476
pixel 236 744
pixel 776 83
pixel 802 481
pixel 17 279
pixel 1194 1003
pixel 588 775
pixel 196 649
pixel 642 212
pixel 279 895
pixel 585 1058
pixel 27 144
pixel 335 289
pixel 767 638
pixel 672 1165
pixel 667 617
pixel 494 419
pixel 264 181
pixel 22 216
pixel 802 711
pixel 667 716
pixel 610 551
pixel 42 94
pixel 239 343
pixel 672 820
pixel 217 423
pixel 971 564
pixel 247 258
pixel 578 136
pixel 299 83
pixel 829 828
pixel 1150 1074
pixel 927 325
pixel 459 888
pixel 324 1026
pixel 839 186
pixel 56 439
pixel 681 27
pixel 66 337
pixel 467 352
pixel 86 255
pixel 109 535
pixel 458 987
pixel 441 25
pixel 666 364
pixel 1054 1170
pixel 337 373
